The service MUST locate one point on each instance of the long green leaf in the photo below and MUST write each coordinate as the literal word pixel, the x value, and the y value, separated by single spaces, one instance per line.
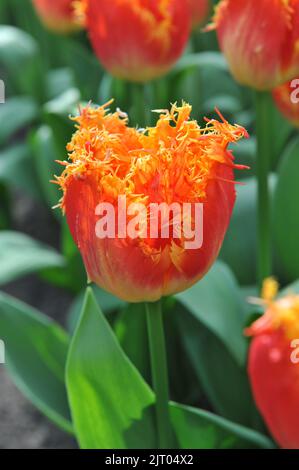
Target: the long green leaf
pixel 21 255
pixel 199 429
pixel 16 114
pixel 217 303
pixel 110 402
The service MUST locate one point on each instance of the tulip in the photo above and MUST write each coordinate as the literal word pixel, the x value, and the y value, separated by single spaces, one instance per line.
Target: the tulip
pixel 174 162
pixel 259 40
pixel 138 40
pixel 57 15
pixel 273 365
pixel 199 11
pixel 286 98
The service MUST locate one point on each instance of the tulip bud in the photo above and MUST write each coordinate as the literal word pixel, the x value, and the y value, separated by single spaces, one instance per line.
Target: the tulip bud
pixel 259 40
pixel 286 98
pixel 199 11
pixel 138 40
pixel 274 367
pixel 57 15
pixel 148 209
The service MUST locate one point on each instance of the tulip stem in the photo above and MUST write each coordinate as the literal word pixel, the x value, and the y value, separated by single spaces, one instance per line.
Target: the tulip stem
pixel 140 104
pixel 263 162
pixel 159 372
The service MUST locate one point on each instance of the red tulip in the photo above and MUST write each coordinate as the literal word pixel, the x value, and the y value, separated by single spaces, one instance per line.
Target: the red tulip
pixel 274 369
pixel 174 162
pixel 199 11
pixel 138 40
pixel 286 98
pixel 259 40
pixel 57 15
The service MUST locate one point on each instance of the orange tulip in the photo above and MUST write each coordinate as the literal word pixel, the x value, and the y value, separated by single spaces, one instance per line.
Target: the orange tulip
pixel 138 40
pixel 286 98
pixel 174 162
pixel 57 15
pixel 274 365
pixel 259 40
pixel 199 11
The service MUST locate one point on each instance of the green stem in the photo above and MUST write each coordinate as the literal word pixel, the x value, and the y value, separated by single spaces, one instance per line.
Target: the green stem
pixel 263 162
pixel 140 104
pixel 159 372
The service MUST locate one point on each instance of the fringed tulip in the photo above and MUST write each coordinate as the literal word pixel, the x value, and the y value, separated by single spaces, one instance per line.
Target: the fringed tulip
pixel 274 365
pixel 286 98
pixel 174 162
pixel 259 40
pixel 57 15
pixel 138 40
pixel 199 11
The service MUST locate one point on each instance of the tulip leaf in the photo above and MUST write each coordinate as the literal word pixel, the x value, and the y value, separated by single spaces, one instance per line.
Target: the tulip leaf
pixel 217 303
pixel 16 169
pixel 108 302
pixel 286 220
pixel 199 429
pixel 16 47
pixel 131 331
pixel 201 60
pixel 21 255
pixel 35 353
pixel 21 62
pixel 229 396
pixel 110 402
pixel 15 114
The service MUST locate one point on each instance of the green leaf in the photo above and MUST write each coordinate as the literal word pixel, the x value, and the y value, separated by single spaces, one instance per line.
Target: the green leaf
pixel 286 220
pixel 16 114
pixel 36 350
pixel 21 255
pixel 19 55
pixel 109 400
pixel 17 170
pixel 231 397
pixel 199 429
pixel 217 303
pixel 59 81
pixel 83 64
pixel 64 277
pixel 240 244
pixel 131 331
pixel 202 60
pixel 108 302
pixel 63 104
pixel 16 47
pixel 45 153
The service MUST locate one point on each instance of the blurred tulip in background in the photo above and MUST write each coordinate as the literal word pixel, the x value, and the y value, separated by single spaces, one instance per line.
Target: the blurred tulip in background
pixel 138 40
pixel 57 15
pixel 273 365
pixel 259 40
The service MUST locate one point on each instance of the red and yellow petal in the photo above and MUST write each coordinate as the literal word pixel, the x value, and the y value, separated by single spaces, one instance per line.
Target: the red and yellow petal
pixel 138 40
pixel 259 55
pixel 57 15
pixel 174 162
